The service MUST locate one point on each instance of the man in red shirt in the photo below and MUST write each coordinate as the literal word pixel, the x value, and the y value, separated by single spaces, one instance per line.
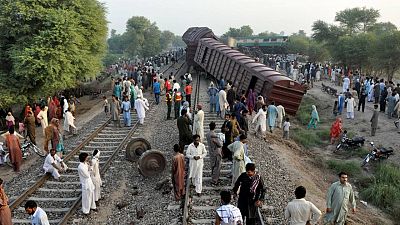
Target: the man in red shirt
pixel 188 92
pixel 167 85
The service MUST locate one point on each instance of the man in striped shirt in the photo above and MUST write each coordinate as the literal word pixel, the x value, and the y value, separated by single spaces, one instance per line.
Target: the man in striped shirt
pixel 228 214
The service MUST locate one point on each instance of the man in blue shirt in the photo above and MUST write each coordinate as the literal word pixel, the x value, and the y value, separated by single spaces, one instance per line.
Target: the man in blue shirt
pixel 156 90
pixel 38 215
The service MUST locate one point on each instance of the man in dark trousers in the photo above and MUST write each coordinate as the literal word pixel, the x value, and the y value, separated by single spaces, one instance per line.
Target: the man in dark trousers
pixel 185 134
pixel 251 193
pixel 227 130
pixel 168 99
pixel 230 97
pixel 363 96
pixel 374 120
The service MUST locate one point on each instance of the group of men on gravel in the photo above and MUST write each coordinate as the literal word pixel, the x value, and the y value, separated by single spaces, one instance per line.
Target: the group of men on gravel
pixel 230 144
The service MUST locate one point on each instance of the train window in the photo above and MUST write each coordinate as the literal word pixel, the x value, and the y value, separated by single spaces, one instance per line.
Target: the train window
pixel 273 39
pixel 204 55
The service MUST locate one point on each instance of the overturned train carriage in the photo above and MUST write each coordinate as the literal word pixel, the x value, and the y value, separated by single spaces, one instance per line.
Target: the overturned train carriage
pixel 221 61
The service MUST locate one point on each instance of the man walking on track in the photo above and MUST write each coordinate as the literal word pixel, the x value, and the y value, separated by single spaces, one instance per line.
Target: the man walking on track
pixel 196 152
pixel 188 92
pixel 178 173
pixel 87 185
pixel 141 108
pixel 215 145
pixel 251 193
pixel 198 126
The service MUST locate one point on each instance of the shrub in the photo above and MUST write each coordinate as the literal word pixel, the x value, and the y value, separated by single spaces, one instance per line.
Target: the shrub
pixel 384 190
pixel 307 138
pixel 351 167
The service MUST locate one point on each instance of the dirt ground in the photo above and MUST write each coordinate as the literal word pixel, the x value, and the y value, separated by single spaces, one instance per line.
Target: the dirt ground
pixel 305 164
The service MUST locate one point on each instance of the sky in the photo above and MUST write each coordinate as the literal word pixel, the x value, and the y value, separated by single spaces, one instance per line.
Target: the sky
pixel 262 15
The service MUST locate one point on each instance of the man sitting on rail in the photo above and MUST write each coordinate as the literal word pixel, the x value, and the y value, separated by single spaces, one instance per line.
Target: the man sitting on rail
pixel 54 164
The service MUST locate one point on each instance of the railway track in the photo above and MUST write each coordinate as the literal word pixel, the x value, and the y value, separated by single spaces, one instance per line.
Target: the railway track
pixel 61 199
pixel 201 210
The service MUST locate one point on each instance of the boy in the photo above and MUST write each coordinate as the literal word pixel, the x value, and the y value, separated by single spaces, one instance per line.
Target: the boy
pixel 105 105
pixel 286 126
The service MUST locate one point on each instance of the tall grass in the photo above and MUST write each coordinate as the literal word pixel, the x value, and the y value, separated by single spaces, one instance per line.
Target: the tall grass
pixel 384 190
pixel 350 167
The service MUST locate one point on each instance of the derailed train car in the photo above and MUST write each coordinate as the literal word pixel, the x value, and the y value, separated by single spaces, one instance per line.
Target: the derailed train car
pixel 221 61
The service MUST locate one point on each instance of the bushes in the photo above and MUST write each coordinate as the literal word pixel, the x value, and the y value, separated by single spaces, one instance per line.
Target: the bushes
pixel 350 167
pixel 384 189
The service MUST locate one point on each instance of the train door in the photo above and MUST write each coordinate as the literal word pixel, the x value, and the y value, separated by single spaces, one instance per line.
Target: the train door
pixel 253 82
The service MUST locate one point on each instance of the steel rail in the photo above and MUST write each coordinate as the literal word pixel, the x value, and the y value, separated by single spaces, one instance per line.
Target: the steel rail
pixel 42 180
pixel 185 217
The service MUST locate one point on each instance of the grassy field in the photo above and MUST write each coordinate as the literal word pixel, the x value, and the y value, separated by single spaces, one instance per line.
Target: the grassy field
pixel 380 186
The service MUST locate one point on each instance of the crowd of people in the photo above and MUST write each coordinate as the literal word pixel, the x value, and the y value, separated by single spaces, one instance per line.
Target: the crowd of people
pixel 230 144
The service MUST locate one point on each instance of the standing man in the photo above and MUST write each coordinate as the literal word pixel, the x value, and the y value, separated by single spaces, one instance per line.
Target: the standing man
pixel 350 107
pixel 42 116
pixel 88 202
pixel 188 92
pixel 38 215
pixel 339 195
pixel 261 118
pixel 215 145
pixel 115 107
pixel 168 99
pixel 126 111
pixel 374 120
pixel 363 96
pixel 177 102
pixel 198 127
pixel 222 102
pixel 95 175
pixel 281 115
pixel 227 213
pixel 301 211
pixel 196 152
pixel 157 90
pixel 212 93
pixel 5 212
pixel 272 113
pixel 54 164
pixel 141 108
pixel 14 149
pixel 231 97
pixel 178 173
pixel 251 193
pixel 185 134
pixel 346 83
pixel 237 149
pixel 30 125
pixel 243 121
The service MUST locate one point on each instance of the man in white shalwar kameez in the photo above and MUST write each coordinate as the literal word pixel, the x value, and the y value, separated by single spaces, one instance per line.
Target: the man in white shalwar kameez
pixel 87 185
pixel 196 152
pixel 281 115
pixel 141 108
pixel 95 175
pixel 198 127
pixel 69 122
pixel 346 83
pixel 239 165
pixel 54 164
pixel 261 118
pixel 350 107
pixel 223 103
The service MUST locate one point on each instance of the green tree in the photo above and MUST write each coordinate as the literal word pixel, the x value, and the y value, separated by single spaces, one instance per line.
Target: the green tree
pixel 48 45
pixel 349 19
pixel 368 18
pixel 166 39
pixel 267 34
pixel 244 31
pixel 298 44
pixel 178 42
pixel 387 53
pixel 380 28
pixel 317 52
